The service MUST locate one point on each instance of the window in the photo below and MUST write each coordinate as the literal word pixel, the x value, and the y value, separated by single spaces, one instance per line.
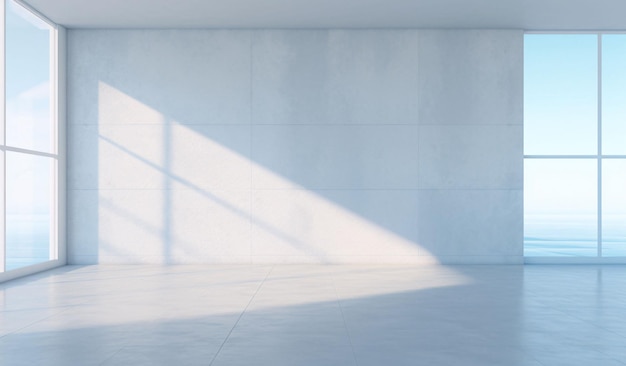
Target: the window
pixel 29 141
pixel 575 145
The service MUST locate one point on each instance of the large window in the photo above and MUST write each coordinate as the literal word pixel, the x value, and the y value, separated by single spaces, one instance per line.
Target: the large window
pixel 29 140
pixel 575 145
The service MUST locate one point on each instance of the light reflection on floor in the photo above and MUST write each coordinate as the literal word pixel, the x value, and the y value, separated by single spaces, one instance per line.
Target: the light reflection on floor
pixel 315 315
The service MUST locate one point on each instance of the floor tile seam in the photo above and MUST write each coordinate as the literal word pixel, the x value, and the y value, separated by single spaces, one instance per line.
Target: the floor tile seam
pixel 33 323
pixel 156 275
pixel 589 322
pixel 112 356
pixel 532 357
pixel 241 314
pixel 620 361
pixel 40 308
pixel 343 317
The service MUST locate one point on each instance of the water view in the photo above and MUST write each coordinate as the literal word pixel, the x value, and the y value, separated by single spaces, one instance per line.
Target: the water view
pixel 28 240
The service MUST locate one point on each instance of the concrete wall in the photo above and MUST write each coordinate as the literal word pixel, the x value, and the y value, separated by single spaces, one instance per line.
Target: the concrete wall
pixel 333 146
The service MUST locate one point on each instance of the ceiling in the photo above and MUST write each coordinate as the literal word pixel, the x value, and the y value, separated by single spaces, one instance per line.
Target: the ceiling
pixel 522 14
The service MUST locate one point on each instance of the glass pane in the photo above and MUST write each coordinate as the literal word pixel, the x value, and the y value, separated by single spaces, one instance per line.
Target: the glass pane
pixel 613 94
pixel 28 209
pixel 28 87
pixel 560 207
pixel 560 94
pixel 614 208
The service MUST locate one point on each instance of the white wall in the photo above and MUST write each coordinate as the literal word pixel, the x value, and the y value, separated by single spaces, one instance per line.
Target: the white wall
pixel 334 146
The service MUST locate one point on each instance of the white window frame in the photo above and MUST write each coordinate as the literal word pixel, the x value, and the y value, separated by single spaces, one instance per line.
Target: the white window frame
pixel 58 248
pixel 599 157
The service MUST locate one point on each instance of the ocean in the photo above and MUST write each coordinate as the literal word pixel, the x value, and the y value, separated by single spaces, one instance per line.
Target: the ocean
pixel 574 235
pixel 28 240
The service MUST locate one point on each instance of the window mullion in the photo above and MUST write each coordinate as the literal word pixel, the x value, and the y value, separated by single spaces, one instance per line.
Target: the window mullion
pixel 2 139
pixel 599 103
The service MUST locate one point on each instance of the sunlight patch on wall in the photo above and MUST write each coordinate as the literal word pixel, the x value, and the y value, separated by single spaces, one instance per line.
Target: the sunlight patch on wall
pixel 116 107
pixel 175 193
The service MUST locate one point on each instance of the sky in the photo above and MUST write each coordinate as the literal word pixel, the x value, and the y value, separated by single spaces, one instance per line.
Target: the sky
pixel 28 112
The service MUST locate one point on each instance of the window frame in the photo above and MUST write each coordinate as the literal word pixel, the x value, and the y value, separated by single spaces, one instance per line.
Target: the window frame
pixel 58 248
pixel 599 157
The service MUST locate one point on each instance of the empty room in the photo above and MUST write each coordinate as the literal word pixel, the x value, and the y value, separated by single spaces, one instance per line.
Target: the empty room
pixel 289 182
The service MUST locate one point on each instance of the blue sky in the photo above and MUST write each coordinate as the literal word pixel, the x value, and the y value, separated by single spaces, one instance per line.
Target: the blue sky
pixel 28 112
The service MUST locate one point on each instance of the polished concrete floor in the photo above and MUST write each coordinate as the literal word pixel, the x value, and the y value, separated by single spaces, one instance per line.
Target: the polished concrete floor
pixel 316 315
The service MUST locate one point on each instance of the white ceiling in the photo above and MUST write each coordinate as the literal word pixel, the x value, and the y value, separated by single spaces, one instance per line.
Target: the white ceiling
pixel 524 14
